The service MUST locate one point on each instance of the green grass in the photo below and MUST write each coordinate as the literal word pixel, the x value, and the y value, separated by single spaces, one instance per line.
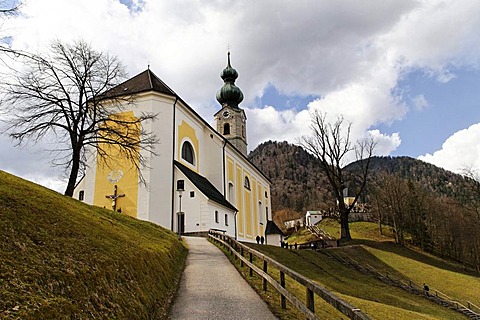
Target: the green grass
pixel 408 263
pixel 374 297
pixel 63 259
pixel 272 298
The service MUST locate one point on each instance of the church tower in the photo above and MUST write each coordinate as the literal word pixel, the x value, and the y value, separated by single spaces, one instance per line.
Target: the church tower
pixel 231 120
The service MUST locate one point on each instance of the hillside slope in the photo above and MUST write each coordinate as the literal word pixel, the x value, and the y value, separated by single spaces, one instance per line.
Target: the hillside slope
pixel 63 259
pixel 364 290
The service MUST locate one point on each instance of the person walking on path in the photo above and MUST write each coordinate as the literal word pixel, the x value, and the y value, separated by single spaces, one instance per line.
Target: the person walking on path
pixel 211 288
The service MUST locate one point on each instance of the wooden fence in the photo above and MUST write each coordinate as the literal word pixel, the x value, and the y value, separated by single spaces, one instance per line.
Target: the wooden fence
pixel 242 251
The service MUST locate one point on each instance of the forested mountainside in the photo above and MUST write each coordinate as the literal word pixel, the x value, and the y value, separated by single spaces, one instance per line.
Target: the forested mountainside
pixel 428 176
pixel 436 210
pixel 299 184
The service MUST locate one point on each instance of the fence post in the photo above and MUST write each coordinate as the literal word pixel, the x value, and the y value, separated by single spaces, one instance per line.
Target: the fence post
pixel 310 300
pixel 241 261
pixel 282 297
pixel 251 261
pixel 265 270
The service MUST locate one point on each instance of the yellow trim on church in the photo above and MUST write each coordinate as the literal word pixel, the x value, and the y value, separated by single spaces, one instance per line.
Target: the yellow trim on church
pixel 117 170
pixel 255 207
pixel 187 133
pixel 240 201
pixel 248 210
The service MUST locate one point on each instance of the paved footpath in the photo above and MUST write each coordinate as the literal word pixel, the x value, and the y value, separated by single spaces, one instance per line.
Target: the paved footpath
pixel 211 288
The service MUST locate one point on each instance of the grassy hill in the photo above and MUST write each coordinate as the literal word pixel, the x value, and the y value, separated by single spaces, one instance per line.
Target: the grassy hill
pixel 375 297
pixel 63 259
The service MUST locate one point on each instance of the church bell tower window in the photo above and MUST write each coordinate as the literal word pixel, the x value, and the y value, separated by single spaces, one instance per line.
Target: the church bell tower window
pixel 226 128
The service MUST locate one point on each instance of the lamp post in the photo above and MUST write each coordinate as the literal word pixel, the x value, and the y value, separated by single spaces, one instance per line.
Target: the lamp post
pixel 180 220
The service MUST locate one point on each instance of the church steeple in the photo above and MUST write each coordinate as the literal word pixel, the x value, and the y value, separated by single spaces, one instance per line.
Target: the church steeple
pixel 229 94
pixel 231 120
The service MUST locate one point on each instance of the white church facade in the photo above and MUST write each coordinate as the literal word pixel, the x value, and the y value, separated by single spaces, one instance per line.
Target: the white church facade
pixel 200 177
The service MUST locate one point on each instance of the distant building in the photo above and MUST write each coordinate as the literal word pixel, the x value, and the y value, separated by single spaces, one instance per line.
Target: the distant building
pixel 312 218
pixel 295 223
pixel 273 234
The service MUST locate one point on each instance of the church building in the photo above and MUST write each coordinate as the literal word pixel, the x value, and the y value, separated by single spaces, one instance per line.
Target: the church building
pixel 200 177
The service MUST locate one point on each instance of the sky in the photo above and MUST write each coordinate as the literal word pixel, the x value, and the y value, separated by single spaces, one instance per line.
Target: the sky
pixel 401 71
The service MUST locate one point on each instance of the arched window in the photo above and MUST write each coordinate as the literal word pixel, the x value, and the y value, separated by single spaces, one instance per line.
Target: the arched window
pixel 247 183
pixel 231 193
pixel 226 128
pixel 187 152
pixel 261 220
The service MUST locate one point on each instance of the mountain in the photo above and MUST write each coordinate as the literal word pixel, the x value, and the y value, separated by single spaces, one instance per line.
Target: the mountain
pixel 299 184
pixel 437 181
pixel 433 208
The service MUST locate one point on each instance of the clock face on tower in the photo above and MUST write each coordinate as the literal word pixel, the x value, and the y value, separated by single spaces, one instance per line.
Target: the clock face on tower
pixel 226 114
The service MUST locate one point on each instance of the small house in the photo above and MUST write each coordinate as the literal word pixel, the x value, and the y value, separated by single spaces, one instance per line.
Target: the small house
pixel 312 218
pixel 273 234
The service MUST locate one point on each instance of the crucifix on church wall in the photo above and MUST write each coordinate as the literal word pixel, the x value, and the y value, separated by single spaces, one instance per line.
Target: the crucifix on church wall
pixel 114 197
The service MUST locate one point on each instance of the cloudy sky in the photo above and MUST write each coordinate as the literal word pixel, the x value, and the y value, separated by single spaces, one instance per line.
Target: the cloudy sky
pixel 405 72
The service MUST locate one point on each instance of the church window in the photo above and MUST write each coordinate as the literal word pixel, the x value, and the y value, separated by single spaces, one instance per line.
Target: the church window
pixel 260 212
pixel 81 195
pixel 226 219
pixel 247 183
pixel 192 194
pixel 216 216
pixel 243 132
pixel 266 212
pixel 266 194
pixel 226 128
pixel 231 193
pixel 187 152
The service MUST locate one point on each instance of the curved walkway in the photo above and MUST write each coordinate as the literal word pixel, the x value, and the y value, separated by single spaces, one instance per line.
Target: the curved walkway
pixel 211 288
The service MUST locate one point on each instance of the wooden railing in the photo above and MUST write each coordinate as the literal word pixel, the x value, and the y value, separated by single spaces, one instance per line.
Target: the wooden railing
pixel 242 251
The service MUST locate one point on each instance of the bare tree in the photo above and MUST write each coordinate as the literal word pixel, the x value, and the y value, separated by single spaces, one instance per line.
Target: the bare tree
pixel 65 93
pixel 330 143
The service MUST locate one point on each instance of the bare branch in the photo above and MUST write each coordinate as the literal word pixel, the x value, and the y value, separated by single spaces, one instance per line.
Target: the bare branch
pixel 60 92
pixel 330 144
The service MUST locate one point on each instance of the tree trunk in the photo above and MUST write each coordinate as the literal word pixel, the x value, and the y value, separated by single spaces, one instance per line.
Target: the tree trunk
pixel 72 179
pixel 344 227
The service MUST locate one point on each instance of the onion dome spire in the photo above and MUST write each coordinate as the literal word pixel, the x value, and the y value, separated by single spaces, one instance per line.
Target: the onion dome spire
pixel 229 93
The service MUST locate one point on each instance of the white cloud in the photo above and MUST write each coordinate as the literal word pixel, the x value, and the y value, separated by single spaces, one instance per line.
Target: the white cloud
pixel 419 102
pixel 352 54
pixel 385 144
pixel 460 150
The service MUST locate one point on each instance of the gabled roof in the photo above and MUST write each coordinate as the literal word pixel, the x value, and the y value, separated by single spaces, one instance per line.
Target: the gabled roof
pixel 148 81
pixel 142 82
pixel 205 186
pixel 272 228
